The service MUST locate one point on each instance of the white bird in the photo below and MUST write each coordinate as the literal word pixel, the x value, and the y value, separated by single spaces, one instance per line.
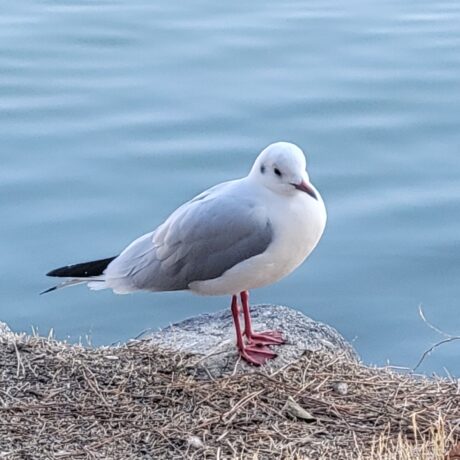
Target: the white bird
pixel 236 236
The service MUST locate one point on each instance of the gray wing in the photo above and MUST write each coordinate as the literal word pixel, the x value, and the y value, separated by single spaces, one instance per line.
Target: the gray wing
pixel 200 241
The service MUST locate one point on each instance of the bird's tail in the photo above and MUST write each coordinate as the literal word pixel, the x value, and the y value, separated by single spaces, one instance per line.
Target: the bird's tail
pixel 86 272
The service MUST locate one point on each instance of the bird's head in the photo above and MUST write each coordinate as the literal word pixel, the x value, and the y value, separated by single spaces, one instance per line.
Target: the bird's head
pixel 281 168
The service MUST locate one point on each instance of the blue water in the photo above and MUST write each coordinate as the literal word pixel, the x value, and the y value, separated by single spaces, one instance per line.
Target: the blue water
pixel 113 113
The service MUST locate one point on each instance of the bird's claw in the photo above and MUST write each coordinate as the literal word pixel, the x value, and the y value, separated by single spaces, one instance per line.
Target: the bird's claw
pixel 266 338
pixel 256 355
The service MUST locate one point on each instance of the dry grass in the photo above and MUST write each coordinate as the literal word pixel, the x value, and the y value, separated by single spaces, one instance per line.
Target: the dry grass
pixel 135 401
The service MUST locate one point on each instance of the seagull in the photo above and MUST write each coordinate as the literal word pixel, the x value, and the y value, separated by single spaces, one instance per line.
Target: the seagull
pixel 236 236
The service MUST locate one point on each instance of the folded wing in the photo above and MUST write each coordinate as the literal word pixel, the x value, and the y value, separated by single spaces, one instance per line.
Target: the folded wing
pixel 201 240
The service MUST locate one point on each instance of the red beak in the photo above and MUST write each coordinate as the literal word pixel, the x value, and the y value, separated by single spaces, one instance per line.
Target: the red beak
pixel 307 188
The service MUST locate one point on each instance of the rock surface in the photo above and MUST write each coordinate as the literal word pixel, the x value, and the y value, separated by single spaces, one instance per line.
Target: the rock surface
pixel 212 336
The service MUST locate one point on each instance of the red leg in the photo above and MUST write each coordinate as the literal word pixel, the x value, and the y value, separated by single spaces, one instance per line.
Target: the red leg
pixel 262 338
pixel 251 353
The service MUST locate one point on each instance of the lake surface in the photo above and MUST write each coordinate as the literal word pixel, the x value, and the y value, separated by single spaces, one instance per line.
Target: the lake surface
pixel 114 113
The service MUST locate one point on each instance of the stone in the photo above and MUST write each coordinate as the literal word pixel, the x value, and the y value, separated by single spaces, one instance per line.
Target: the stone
pixel 212 338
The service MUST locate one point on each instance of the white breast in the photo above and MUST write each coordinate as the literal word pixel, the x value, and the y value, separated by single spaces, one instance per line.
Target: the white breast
pixel 298 223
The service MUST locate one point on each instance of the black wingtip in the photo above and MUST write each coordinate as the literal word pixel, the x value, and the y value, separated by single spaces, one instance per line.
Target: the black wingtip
pixel 82 270
pixel 48 290
pixel 58 271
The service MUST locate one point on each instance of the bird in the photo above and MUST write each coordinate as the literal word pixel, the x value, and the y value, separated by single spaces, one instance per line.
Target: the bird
pixel 234 237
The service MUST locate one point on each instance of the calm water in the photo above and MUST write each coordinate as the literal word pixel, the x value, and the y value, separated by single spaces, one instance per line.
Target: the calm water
pixel 111 115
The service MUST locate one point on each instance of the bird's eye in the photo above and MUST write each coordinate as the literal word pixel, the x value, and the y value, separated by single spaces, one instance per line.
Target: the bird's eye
pixel 262 169
pixel 277 172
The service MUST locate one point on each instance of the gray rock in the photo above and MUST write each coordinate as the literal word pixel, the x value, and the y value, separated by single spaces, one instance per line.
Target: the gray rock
pixel 212 338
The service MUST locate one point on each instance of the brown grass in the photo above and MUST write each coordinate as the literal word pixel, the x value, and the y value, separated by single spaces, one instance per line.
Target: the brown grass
pixel 138 402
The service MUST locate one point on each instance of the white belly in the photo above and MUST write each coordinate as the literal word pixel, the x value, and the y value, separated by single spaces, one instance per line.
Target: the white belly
pixel 296 232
